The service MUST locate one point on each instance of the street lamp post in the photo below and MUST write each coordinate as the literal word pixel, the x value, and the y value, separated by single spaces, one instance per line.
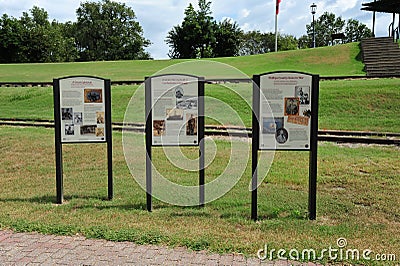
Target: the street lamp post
pixel 313 11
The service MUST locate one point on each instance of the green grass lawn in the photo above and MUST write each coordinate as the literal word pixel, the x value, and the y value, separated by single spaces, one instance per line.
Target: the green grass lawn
pixel 357 185
pixel 340 60
pixel 368 105
pixel 357 198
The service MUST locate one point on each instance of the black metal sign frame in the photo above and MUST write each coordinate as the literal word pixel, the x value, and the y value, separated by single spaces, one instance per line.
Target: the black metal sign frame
pixel 149 135
pixel 106 98
pixel 313 147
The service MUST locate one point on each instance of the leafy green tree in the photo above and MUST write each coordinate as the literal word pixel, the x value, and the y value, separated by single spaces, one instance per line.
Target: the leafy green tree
pixel 200 36
pixel 63 46
pixel 228 36
pixel 207 28
pixel 32 38
pixel 305 41
pixel 328 24
pixel 108 30
pixel 256 42
pixel 10 39
pixel 195 37
pixel 36 36
pixel 183 38
pixel 287 42
pixel 356 31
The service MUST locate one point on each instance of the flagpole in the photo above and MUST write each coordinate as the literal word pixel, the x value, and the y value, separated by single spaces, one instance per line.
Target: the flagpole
pixel 276 31
pixel 276 24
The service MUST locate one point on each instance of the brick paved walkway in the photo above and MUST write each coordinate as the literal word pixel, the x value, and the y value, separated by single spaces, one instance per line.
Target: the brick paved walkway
pixel 36 249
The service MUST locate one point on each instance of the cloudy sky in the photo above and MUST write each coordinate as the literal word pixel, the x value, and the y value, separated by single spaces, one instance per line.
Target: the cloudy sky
pixel 157 17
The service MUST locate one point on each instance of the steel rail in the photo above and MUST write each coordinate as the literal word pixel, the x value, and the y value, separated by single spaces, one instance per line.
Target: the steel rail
pixel 209 81
pixel 364 137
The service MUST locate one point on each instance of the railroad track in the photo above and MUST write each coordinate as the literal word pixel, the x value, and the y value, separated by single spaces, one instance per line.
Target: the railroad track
pixel 365 137
pixel 139 82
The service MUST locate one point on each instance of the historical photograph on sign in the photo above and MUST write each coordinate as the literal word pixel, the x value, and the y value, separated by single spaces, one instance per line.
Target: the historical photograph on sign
pixel 88 130
pixel 187 103
pixel 281 135
pixel 303 93
pixel 270 124
pixel 100 117
pixel 292 106
pixel 93 96
pixel 174 114
pixel 69 129
pixel 78 120
pixel 191 125
pixel 99 132
pixel 307 113
pixel 299 120
pixel 179 92
pixel 158 128
pixel 66 113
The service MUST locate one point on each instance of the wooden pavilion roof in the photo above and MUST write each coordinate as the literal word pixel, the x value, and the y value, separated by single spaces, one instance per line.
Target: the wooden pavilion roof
pixel 384 6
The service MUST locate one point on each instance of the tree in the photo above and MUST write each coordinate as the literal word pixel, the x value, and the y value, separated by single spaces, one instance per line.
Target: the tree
pixel 32 39
pixel 305 41
pixel 228 37
pixel 256 42
pixel 356 31
pixel 183 38
pixel 10 39
pixel 207 28
pixel 63 48
pixel 328 24
pixel 287 42
pixel 200 36
pixel 108 30
pixel 42 41
pixel 36 38
pixel 194 38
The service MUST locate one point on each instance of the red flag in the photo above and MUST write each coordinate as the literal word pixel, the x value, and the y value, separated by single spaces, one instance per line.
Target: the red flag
pixel 277 6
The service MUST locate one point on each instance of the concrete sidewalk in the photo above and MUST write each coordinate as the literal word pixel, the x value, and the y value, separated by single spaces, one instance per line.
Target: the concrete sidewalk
pixel 36 249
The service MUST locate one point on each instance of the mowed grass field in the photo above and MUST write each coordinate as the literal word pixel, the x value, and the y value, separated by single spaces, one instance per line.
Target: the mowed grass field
pixel 357 185
pixel 357 198
pixel 341 60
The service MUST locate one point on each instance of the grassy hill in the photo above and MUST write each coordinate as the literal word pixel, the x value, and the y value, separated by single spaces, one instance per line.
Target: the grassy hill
pixel 344 105
pixel 341 60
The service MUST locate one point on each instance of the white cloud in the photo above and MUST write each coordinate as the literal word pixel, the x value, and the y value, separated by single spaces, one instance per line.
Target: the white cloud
pixel 344 5
pixel 245 13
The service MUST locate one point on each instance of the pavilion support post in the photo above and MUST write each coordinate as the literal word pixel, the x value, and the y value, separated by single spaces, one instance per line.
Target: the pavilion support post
pixel 394 19
pixel 373 23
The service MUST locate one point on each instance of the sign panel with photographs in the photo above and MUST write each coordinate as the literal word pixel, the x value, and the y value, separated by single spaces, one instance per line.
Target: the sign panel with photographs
pixel 82 109
pixel 175 110
pixel 285 117
pixel 285 111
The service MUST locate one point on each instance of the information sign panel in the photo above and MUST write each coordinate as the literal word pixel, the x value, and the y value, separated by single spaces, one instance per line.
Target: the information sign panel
pixel 175 112
pixel 82 109
pixel 174 117
pixel 82 114
pixel 285 117
pixel 285 111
